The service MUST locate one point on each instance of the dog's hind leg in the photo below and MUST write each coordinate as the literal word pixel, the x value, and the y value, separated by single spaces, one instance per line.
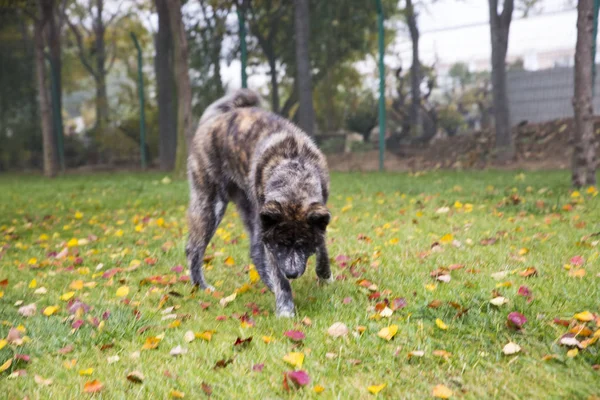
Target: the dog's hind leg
pixel 323 268
pixel 205 213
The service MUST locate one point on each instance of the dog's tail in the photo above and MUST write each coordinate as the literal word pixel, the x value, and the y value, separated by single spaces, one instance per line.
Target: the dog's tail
pixel 239 99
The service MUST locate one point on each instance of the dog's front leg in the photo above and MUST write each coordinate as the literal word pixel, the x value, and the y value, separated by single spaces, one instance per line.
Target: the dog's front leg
pixel 323 268
pixel 284 302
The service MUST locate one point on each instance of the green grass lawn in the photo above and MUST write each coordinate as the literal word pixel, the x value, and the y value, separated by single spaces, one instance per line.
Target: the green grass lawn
pixel 128 232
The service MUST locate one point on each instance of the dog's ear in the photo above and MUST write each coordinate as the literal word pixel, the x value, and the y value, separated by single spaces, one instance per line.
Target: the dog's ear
pixel 318 216
pixel 270 214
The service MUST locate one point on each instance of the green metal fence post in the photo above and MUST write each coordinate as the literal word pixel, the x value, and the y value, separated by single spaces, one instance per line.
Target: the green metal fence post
pixel 142 103
pixel 57 125
pixel 244 55
pixel 381 85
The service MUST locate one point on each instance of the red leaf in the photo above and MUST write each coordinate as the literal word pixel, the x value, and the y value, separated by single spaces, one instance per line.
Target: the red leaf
pixel 77 324
pixel 295 335
pixel 23 357
pixel 178 269
pixel 516 320
pixel 347 300
pixel 398 303
pixel 577 261
pixel 258 367
pixel 223 363
pixel 524 291
pixel 561 322
pixel 206 389
pixel 242 342
pixel 300 378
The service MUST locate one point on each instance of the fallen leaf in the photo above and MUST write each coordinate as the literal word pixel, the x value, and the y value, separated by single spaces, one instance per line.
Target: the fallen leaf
pixel 498 301
pixel 189 336
pixel 113 359
pixel 6 365
pixel 239 342
pixel 295 335
pixel 177 351
pixel 87 371
pixel 531 271
pixel 48 311
pixel 318 389
pixel 93 386
pixel 573 352
pixel 226 300
pixel 299 378
pixel 176 394
pixel 388 333
pixel 440 324
pixel 416 353
pixel 338 329
pixel 374 389
pixel 511 348
pixel 135 377
pixel 28 311
pixel 442 353
pixel 295 359
pixel 584 316
pixel 206 389
pixel 516 320
pixel 123 291
pixel 42 381
pixel 441 392
pixel 151 343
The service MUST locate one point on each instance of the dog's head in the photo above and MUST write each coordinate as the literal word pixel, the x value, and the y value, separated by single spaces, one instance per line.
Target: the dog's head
pixel 292 232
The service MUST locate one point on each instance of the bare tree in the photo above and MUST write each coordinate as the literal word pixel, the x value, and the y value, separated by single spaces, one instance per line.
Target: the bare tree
pixel 163 63
pixel 584 150
pixel 40 23
pixel 499 28
pixel 99 60
pixel 415 69
pixel 306 112
pixel 182 82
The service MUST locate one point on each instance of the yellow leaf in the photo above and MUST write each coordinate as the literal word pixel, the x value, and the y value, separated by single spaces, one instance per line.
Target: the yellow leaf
pixel 376 388
pixel 72 243
pixel 43 237
pixel 254 277
pixel 573 352
pixel 206 335
pixel 48 311
pixel 67 296
pixel 242 289
pixel 119 233
pixel 229 261
pixel 1 294
pixel 458 204
pixel 78 215
pixel 268 339
pixel 68 364
pixel 176 394
pixel 523 251
pixel 151 343
pixel 318 389
pixel 346 208
pixel 468 207
pixel 447 238
pixel 87 371
pixel 175 324
pixel 76 285
pixel 575 194
pixel 440 324
pixel 122 291
pixel 32 261
pixel 3 342
pixel 431 287
pixel 6 365
pixel 295 359
pixel 33 283
pixel 585 316
pixel 389 332
pixel 441 392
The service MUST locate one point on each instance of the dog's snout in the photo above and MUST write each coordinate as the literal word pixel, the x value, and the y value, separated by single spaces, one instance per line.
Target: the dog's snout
pixel 292 275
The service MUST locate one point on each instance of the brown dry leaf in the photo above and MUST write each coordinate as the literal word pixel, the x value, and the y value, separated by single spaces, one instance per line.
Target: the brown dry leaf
pixel 135 377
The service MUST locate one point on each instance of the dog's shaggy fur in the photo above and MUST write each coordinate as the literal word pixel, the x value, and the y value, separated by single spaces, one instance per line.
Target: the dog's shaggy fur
pixel 279 182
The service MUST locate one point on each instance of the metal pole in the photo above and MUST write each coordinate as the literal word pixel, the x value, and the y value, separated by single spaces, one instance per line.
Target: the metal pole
pixel 381 85
pixel 142 108
pixel 244 55
pixel 57 125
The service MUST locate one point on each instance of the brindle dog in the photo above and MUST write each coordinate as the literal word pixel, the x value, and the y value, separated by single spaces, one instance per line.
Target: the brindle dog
pixel 278 180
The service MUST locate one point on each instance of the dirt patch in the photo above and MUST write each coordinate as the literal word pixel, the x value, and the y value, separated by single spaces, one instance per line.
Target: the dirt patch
pixel 538 146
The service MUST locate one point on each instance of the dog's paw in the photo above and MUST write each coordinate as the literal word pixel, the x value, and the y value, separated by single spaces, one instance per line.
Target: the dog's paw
pixel 325 281
pixel 286 313
pixel 209 288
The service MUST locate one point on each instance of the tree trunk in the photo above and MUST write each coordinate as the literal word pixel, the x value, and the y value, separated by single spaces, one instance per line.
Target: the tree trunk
pixel 182 82
pixel 49 145
pixel 584 151
pixel 415 71
pixel 100 54
pixel 167 124
pixel 55 58
pixel 274 83
pixel 499 29
pixel 306 112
